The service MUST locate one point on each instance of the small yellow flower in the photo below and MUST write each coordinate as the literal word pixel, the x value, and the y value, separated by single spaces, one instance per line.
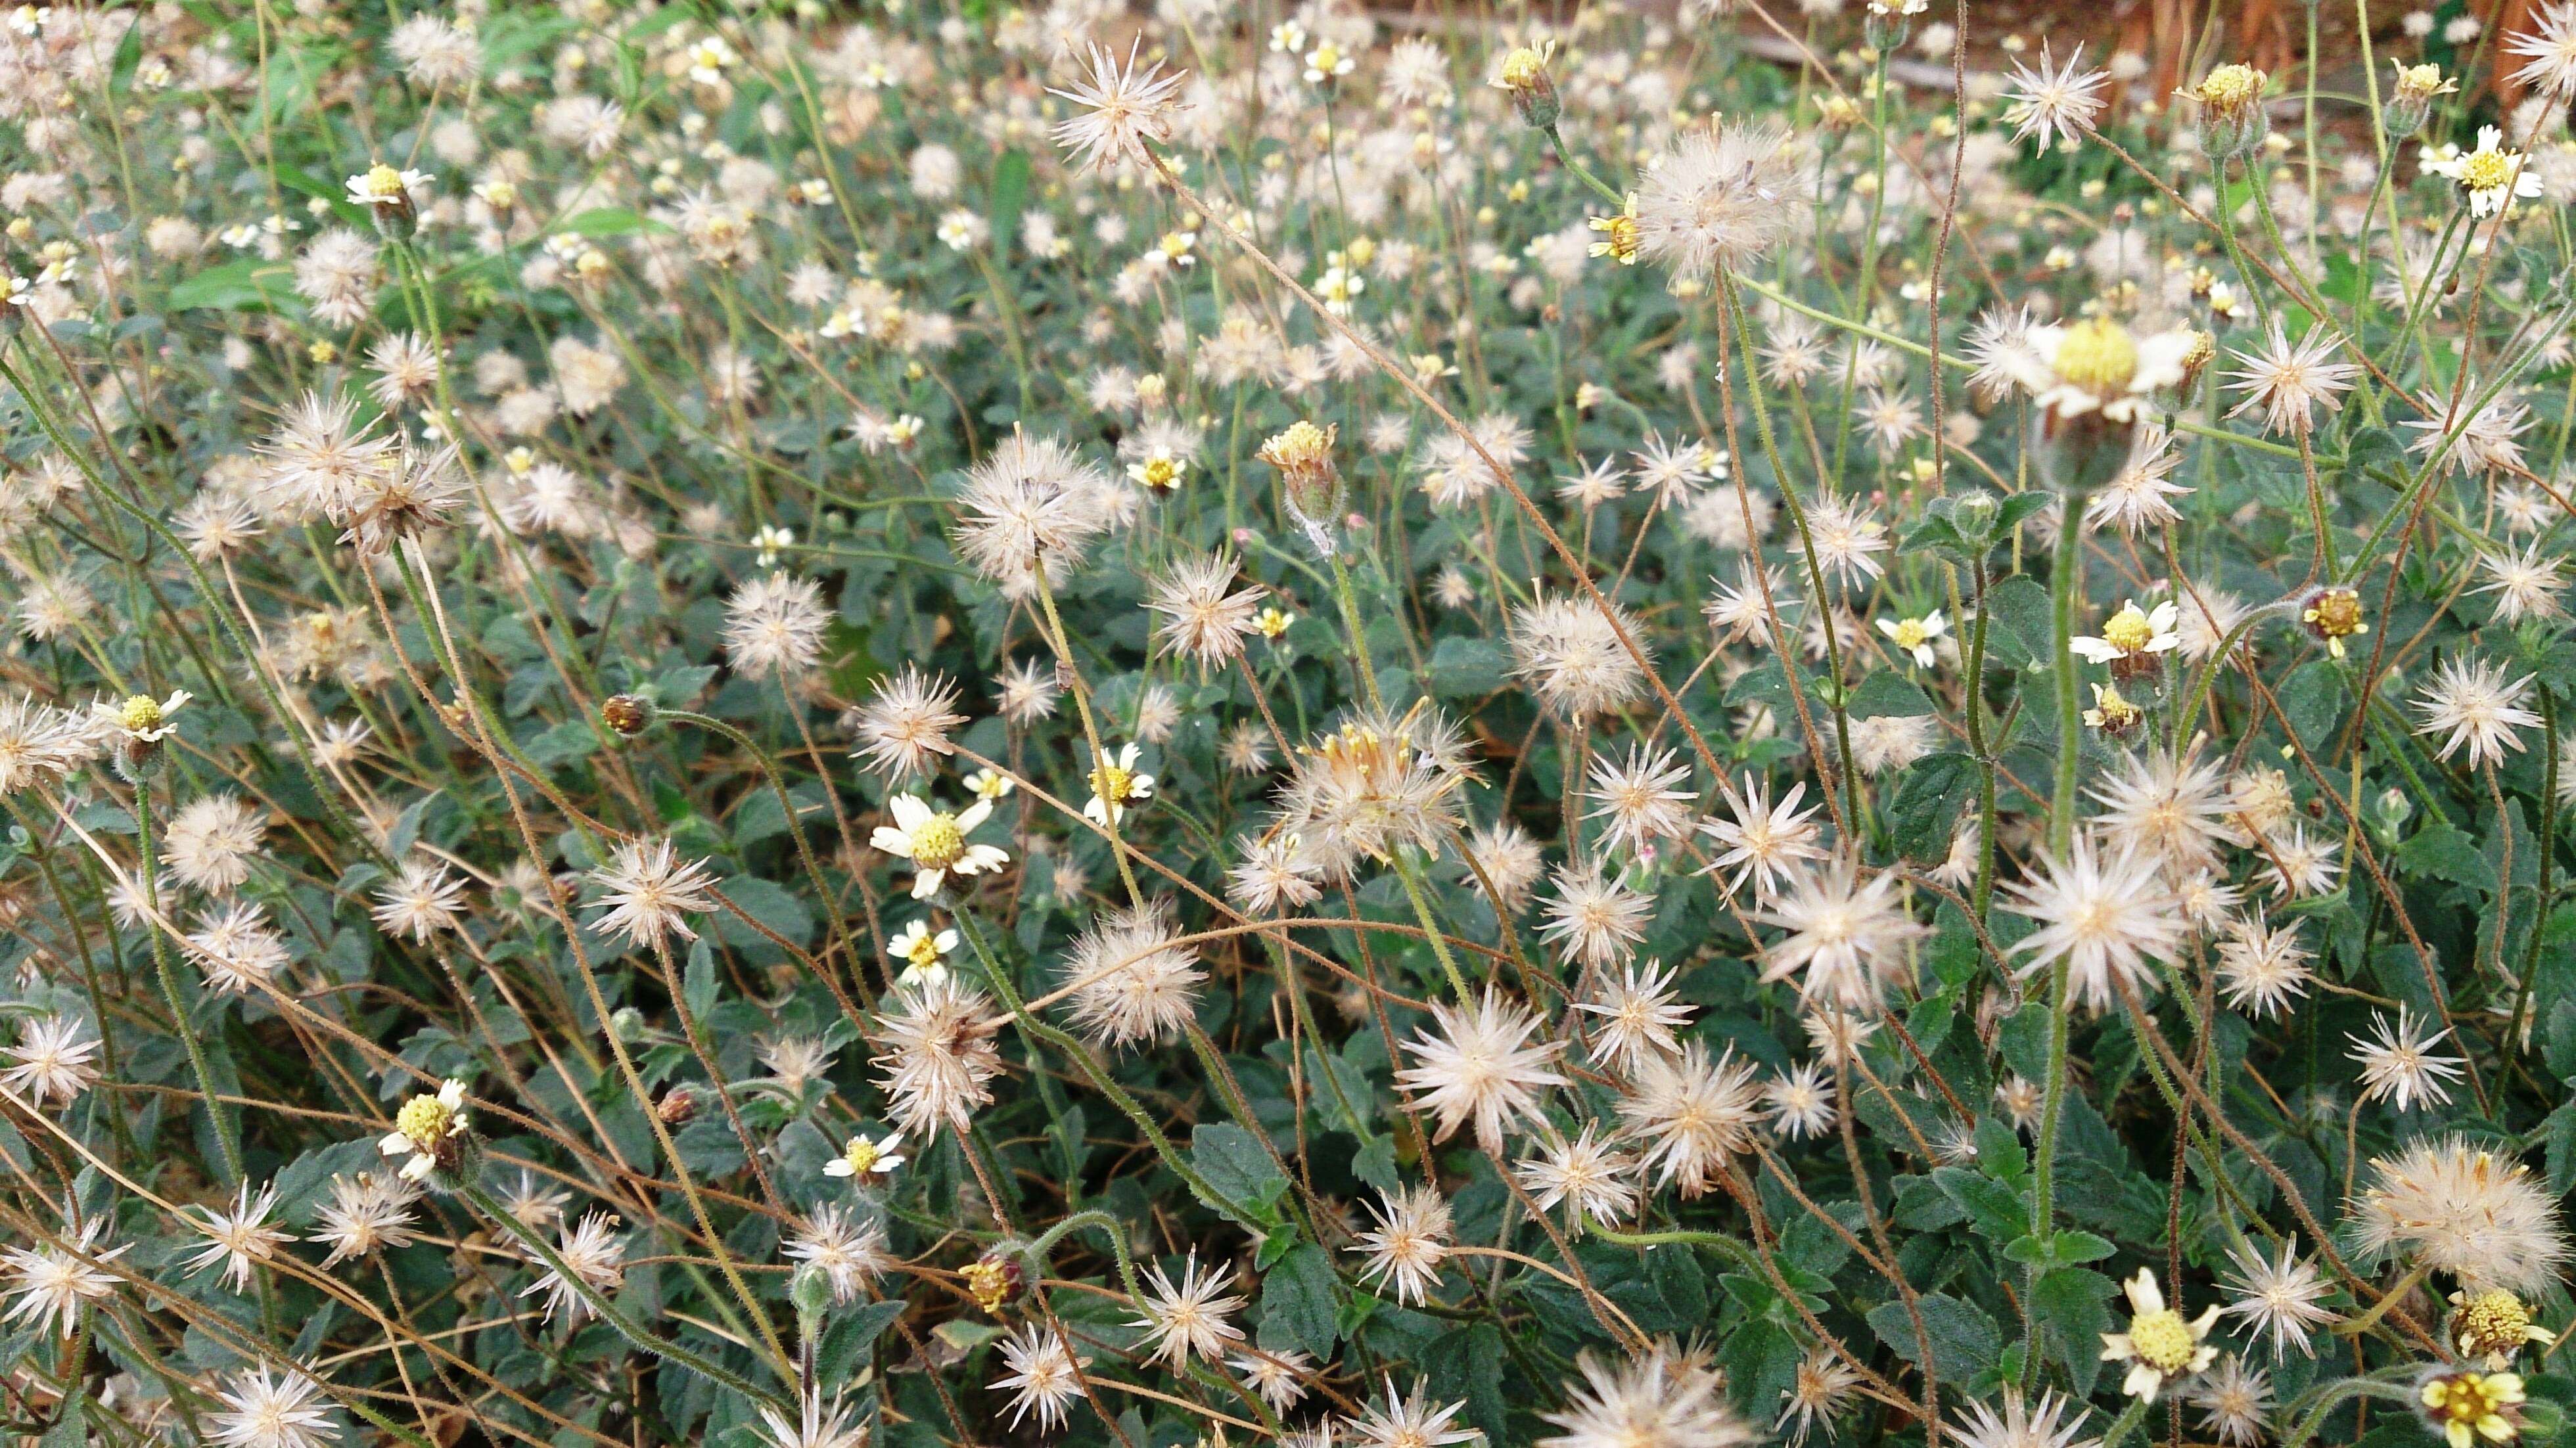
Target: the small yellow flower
pixel 2161 1345
pixel 863 1159
pixel 1619 234
pixel 427 1130
pixel 2334 615
pixel 1116 783
pixel 993 1281
pixel 1273 622
pixel 2110 712
pixel 146 719
pixel 1524 67
pixel 2493 1325
pixel 2469 1406
pixel 2230 89
pixel 2420 83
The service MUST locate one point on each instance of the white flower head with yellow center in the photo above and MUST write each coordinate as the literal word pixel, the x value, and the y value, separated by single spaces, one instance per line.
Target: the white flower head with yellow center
pixel 383 185
pixel 863 1159
pixel 427 1130
pixel 2161 1346
pixel 2493 177
pixel 935 841
pixel 923 953
pixel 2131 632
pixel 1916 635
pixel 147 720
pixel 2096 366
pixel 1116 784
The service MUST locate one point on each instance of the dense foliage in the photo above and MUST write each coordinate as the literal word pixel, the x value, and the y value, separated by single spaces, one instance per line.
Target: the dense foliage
pixel 869 724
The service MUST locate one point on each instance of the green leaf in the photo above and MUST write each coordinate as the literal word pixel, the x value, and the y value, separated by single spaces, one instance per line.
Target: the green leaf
pixel 2066 1248
pixel 845 1343
pixel 2023 635
pixel 698 982
pixel 1964 1339
pixel 1997 1210
pixel 2446 852
pixel 610 221
pixel 245 285
pixel 2068 1308
pixel 1235 1163
pixel 2313 701
pixel 1468 668
pixel 1887 692
pixel 1929 798
pixel 1299 1303
pixel 1470 1361
pixel 771 906
pixel 2561 1154
pixel 1010 196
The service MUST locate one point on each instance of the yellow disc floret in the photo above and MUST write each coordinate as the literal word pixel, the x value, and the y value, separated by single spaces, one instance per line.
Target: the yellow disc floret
pixel 2098 355
pixel 1521 69
pixel 2492 1324
pixel 140 714
pixel 2128 630
pixel 2163 1341
pixel 938 843
pixel 425 1121
pixel 2230 88
pixel 2488 170
pixel 2468 1407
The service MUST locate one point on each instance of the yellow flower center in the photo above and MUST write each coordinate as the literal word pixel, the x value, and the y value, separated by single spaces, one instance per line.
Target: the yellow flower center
pixel 1113 784
pixel 2488 170
pixel 990 1282
pixel 1326 58
pixel 937 843
pixel 140 713
pixel 2471 1399
pixel 1302 445
pixel 2419 82
pixel 1521 69
pixel 1622 237
pixel 2336 613
pixel 2494 1321
pixel 923 952
pixel 861 1153
pixel 2110 710
pixel 384 183
pixel 2128 631
pixel 2164 1341
pixel 2097 355
pixel 1911 634
pixel 425 1121
pixel 2230 88
pixel 1161 472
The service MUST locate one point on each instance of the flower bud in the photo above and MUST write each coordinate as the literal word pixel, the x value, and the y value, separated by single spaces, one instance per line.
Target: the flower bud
pixel 1310 478
pixel 2411 103
pixel 1523 75
pixel 1973 514
pixel 811 1290
pixel 2233 122
pixel 626 715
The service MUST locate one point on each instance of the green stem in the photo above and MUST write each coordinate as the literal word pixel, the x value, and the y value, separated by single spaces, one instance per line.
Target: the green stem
pixel 1405 871
pixel 229 1148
